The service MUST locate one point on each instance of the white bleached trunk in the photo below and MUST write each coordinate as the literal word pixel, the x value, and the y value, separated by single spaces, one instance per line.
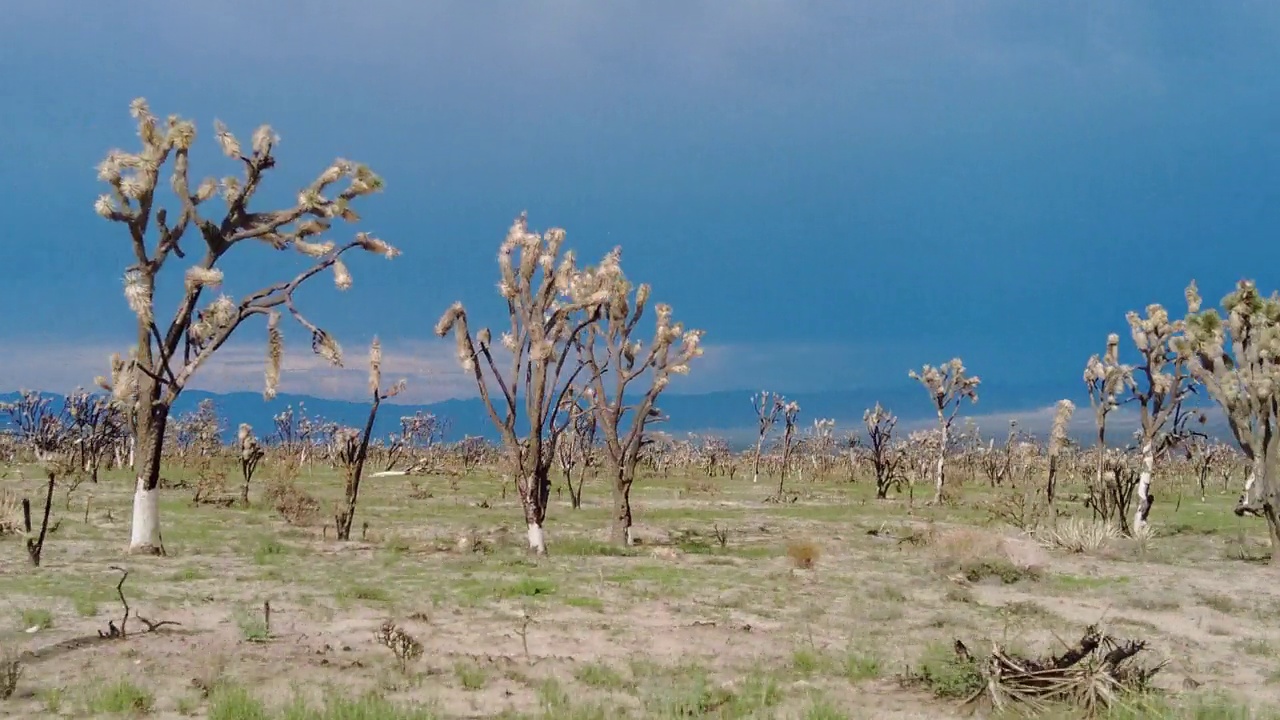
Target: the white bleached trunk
pixel 1144 486
pixel 145 534
pixel 1248 500
pixel 939 468
pixel 537 541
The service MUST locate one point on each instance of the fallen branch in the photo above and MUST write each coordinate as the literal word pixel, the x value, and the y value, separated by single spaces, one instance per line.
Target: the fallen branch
pixel 122 631
pixel 1090 675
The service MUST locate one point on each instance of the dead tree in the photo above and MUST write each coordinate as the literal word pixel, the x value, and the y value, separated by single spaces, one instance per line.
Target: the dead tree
pixel 947 385
pixel 250 455
pixel 574 448
pixel 1159 384
pixel 1236 361
pixel 767 406
pixel 885 458
pixel 1105 378
pixel 351 446
pixel 790 412
pixel 615 359
pixel 548 304
pixel 96 426
pixel 165 356
pixel 36 424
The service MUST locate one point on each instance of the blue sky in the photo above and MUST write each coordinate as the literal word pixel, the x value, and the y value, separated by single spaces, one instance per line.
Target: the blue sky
pixel 836 192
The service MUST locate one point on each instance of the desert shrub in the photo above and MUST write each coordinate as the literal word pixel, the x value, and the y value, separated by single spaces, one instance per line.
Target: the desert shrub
pixel 295 505
pixel 10 671
pixel 803 553
pixel 977 555
pixel 947 674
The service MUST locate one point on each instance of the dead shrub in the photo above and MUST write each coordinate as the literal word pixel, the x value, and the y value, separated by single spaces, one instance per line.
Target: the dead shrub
pixel 803 553
pixel 977 555
pixel 10 513
pixel 295 505
pixel 10 671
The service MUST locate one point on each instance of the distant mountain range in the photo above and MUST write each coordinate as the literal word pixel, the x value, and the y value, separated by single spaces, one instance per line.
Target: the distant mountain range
pixel 727 414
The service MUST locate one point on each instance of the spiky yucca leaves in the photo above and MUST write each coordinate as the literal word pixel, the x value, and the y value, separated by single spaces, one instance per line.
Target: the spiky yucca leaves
pixel 616 359
pixel 1238 362
pixel 548 301
pixel 1158 383
pixel 165 356
pixel 947 386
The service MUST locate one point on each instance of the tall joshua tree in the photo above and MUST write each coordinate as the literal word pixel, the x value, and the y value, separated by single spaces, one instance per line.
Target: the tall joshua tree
pixel 1238 361
pixel 165 356
pixel 615 360
pixel 1105 378
pixel 548 303
pixel 767 406
pixel 948 385
pixel 1159 384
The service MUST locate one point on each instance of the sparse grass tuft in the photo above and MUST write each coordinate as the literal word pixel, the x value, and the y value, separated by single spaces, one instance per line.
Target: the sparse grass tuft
pixel 120 698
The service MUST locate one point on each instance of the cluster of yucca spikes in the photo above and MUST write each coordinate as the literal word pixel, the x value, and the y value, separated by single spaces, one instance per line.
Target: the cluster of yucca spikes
pixel 166 356
pixel 564 320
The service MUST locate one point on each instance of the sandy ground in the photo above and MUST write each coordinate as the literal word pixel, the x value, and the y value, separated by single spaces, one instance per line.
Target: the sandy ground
pixel 679 622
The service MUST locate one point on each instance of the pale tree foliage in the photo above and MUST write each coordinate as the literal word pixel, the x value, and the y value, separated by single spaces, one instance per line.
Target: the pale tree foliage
pixel 548 302
pixel 885 457
pixel 1058 436
pixel 1106 378
pixel 625 375
pixel 166 355
pixel 1158 383
pixel 948 386
pixel 767 406
pixel 1238 362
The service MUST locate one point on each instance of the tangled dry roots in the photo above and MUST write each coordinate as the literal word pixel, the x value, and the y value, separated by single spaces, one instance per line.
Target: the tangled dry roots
pixel 1091 676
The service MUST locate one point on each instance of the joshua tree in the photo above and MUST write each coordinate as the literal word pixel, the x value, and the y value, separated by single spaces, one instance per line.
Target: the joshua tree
pixel 166 355
pixel 767 406
pixel 1159 383
pixel 548 304
pixel 948 385
pixel 615 359
pixel 1057 441
pixel 351 446
pixel 884 456
pixel 1238 361
pixel 790 412
pixel 1105 378
pixel 250 455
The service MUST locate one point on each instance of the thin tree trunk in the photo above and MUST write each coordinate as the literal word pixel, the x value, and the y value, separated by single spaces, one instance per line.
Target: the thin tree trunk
pixel 348 516
pixel 755 464
pixel 1144 486
pixel 534 490
pixel 622 506
pixel 939 469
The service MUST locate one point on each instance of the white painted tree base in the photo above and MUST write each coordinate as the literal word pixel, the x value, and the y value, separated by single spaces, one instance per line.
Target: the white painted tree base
pixel 537 541
pixel 145 533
